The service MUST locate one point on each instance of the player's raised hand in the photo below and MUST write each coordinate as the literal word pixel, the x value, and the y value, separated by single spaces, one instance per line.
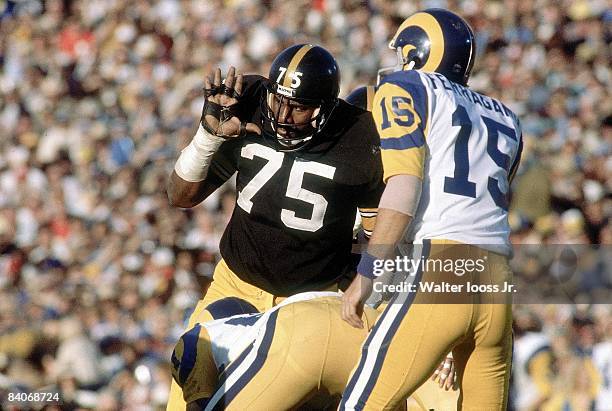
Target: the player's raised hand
pixel 354 298
pixel 220 117
pixel 228 95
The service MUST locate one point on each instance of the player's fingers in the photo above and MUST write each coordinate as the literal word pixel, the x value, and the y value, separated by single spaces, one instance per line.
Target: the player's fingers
pixel 345 308
pixel 349 314
pixel 217 79
pixel 238 85
pixel 352 313
pixel 449 384
pixel 253 128
pixel 229 80
pixel 208 85
pixel 444 373
pixel 355 318
pixel 434 376
pixel 441 380
pixel 356 322
pixel 451 377
pixel 227 95
pixel 343 313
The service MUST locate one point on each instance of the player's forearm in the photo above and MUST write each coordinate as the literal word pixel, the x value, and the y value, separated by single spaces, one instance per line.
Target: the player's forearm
pixel 397 207
pixel 186 186
pixel 183 193
pixel 390 227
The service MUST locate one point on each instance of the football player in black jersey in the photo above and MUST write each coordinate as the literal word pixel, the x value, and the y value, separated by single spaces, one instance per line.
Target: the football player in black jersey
pixel 305 162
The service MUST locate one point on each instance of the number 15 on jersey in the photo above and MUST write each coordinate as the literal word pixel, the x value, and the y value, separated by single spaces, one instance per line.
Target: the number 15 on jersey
pixel 459 183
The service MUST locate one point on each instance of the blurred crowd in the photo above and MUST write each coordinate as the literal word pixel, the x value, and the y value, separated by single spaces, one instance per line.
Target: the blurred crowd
pixel 97 97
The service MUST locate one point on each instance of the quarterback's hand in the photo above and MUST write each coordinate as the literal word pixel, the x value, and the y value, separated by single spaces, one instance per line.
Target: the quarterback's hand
pixel 353 299
pixel 446 373
pixel 226 95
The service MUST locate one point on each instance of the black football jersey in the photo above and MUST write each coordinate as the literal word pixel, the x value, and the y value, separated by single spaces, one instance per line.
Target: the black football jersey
pixel 291 230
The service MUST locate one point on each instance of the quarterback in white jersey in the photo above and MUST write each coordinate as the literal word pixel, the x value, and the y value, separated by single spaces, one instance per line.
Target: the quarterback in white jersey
pixel 466 159
pixel 469 154
pixel 448 155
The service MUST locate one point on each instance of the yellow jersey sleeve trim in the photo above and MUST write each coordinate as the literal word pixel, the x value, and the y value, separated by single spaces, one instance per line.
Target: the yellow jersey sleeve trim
pixel 409 162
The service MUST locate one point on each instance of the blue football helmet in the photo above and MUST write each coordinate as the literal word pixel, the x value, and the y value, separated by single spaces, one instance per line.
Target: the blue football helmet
pixel 434 40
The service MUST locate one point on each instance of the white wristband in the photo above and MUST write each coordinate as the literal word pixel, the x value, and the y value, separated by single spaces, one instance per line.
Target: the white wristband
pixel 192 165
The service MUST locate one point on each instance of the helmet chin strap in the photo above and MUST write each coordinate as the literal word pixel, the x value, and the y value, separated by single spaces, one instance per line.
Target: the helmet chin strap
pixel 410 65
pixel 401 64
pixel 291 143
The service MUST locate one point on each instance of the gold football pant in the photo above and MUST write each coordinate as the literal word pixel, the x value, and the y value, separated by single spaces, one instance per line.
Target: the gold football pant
pixel 227 295
pixel 306 345
pixel 418 329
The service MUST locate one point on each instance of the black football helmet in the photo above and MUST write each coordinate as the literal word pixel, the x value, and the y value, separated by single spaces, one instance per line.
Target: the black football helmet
pixel 305 75
pixel 435 40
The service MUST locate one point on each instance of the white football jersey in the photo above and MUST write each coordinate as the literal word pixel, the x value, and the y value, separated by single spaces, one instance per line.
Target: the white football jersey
pixel 465 146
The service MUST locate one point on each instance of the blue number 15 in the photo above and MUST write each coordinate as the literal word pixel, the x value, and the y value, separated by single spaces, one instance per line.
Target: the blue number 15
pixel 459 183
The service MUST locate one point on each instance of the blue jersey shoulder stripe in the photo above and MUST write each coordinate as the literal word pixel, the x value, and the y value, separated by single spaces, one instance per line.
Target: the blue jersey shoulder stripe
pixel 401 143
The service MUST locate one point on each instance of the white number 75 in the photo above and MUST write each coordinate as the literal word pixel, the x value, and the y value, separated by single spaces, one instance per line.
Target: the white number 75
pixel 295 77
pixel 294 187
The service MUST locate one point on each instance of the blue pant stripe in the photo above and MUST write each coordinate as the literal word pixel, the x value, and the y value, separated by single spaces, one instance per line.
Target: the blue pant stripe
pixel 190 352
pixel 253 369
pixel 382 353
pixel 230 306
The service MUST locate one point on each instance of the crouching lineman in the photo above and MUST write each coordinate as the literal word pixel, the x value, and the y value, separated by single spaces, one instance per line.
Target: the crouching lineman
pixel 299 352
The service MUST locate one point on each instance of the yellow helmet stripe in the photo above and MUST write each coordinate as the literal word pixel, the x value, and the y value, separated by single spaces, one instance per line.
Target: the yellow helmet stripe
pixel 294 63
pixel 429 25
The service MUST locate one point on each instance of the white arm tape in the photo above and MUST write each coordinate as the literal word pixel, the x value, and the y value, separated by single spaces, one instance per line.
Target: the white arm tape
pixel 192 165
pixel 402 194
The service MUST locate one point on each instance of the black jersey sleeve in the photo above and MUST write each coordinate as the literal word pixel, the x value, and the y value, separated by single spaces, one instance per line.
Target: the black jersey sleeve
pixel 368 165
pixel 369 194
pixel 364 156
pixel 224 163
